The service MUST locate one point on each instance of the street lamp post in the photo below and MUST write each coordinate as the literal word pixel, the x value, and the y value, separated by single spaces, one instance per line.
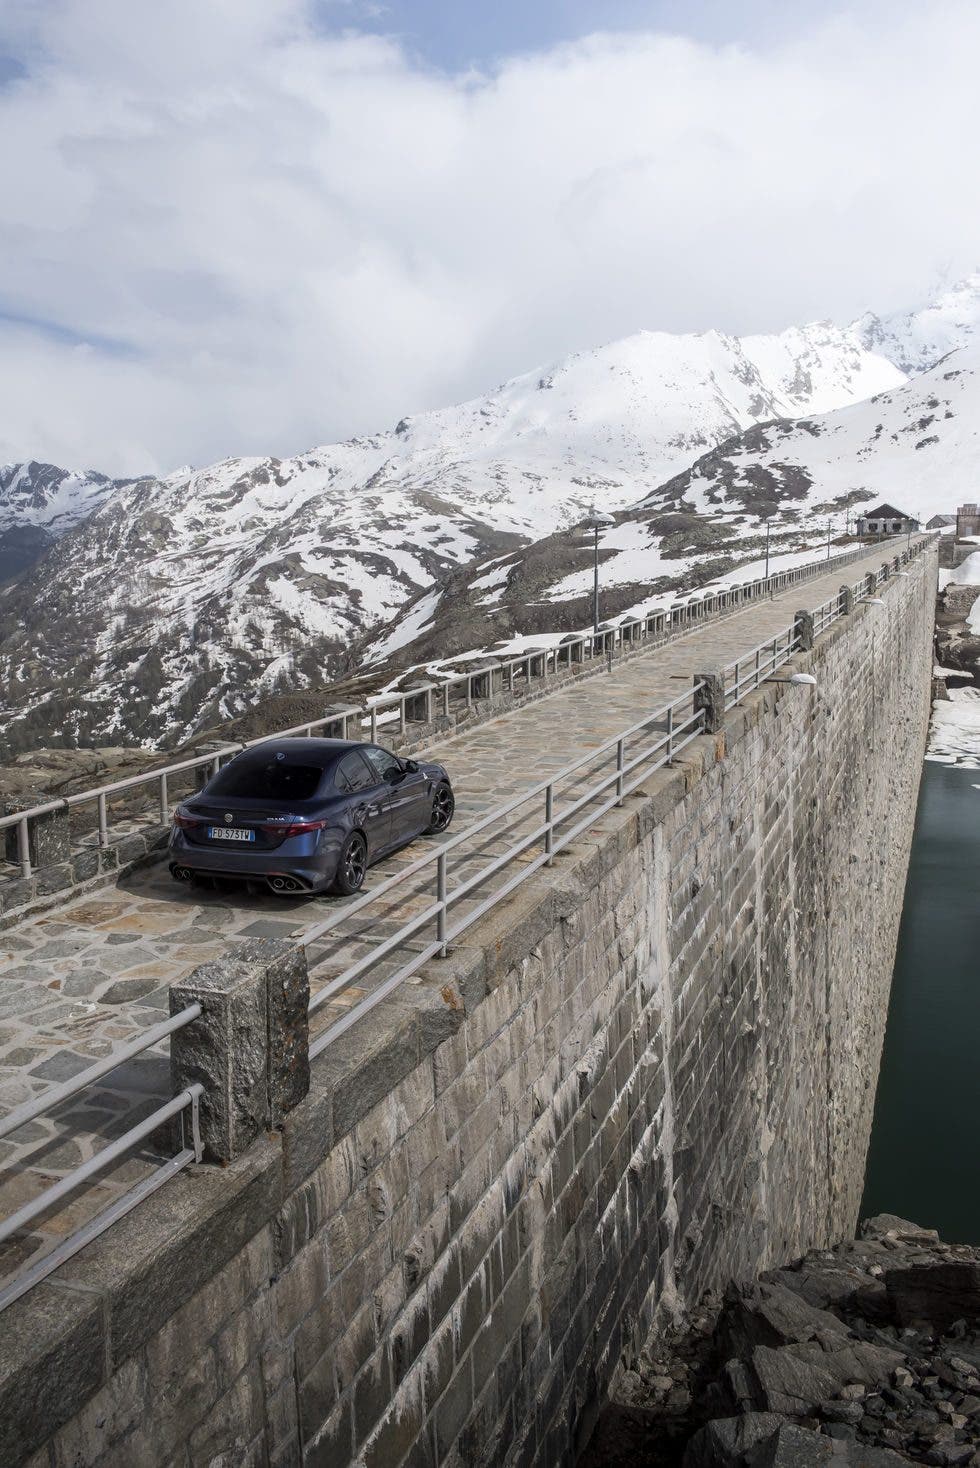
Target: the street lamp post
pixel 595 521
pixel 828 537
pixel 767 550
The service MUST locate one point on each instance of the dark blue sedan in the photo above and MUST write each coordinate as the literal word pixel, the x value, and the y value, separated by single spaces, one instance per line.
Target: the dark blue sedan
pixel 307 815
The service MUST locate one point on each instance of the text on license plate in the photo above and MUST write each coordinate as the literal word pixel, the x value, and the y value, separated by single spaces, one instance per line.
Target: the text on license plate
pixel 231 833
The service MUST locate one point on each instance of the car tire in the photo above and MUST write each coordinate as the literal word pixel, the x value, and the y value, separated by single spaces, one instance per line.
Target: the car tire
pixel 352 866
pixel 443 809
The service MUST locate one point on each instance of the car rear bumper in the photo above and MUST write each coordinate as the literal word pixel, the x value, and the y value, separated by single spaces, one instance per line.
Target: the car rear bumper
pixel 312 871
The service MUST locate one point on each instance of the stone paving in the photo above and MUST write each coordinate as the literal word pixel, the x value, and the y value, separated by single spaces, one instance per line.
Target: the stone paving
pixel 90 975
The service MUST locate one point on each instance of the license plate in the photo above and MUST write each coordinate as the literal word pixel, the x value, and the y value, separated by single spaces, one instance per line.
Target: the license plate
pixel 231 833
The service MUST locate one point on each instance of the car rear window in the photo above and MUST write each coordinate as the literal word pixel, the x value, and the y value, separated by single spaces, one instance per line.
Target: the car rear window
pixel 274 779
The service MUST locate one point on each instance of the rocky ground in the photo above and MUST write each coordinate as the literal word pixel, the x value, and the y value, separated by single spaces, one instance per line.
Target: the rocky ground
pixel 865 1355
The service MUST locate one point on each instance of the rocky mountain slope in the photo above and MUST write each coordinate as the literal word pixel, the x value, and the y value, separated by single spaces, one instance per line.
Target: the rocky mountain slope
pixel 39 503
pixel 917 446
pixel 180 602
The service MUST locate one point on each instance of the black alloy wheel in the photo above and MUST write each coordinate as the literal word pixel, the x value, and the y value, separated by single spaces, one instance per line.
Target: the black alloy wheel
pixel 352 866
pixel 443 806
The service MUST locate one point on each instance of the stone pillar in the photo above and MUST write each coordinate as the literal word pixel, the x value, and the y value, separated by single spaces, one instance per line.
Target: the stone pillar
pixel 803 628
pixel 343 713
pixel 483 683
pixel 204 773
pixel 48 840
pixel 711 698
pixel 419 705
pixel 249 1047
pixel 846 600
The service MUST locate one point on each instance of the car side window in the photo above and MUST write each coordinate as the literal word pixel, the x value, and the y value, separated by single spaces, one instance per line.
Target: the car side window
pixel 381 761
pixel 352 773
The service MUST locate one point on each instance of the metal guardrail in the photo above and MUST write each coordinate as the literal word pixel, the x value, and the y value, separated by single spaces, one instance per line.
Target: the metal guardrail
pixel 754 667
pixel 558 811
pixel 417 705
pixel 551 832
pixel 52 1098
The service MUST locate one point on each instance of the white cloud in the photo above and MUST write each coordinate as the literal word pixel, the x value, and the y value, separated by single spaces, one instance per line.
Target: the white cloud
pixel 292 236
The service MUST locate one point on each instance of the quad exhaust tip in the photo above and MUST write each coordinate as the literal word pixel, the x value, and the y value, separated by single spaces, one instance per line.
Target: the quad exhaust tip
pixel 181 874
pixel 285 884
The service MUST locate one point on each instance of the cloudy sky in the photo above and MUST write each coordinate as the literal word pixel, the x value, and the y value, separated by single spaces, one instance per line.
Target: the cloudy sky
pixel 251 226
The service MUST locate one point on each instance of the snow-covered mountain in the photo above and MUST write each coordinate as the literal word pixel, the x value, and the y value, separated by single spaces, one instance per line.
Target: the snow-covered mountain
pixel 915 340
pixel 180 602
pixel 39 503
pixel 918 447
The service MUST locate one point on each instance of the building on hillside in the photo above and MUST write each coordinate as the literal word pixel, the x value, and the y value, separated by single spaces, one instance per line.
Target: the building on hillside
pixel 967 521
pixel 940 522
pixel 885 520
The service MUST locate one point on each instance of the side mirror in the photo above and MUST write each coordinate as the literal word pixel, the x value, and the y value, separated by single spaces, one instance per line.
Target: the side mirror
pixel 393 774
pixel 410 766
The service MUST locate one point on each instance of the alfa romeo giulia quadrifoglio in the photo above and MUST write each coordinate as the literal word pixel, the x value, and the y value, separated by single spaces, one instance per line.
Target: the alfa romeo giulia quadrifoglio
pixel 307 815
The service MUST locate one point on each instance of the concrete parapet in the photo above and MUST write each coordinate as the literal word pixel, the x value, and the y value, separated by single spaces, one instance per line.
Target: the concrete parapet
pixel 250 1046
pixel 803 630
pixel 710 697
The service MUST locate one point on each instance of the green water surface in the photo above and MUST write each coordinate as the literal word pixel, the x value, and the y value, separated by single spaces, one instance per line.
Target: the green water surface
pixel 924 1160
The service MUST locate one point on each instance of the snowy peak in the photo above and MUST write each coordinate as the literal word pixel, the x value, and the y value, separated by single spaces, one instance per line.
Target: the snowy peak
pixel 42 494
pixel 916 340
pixel 39 503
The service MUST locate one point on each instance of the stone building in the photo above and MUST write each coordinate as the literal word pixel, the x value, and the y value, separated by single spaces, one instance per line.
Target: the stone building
pixel 886 520
pixel 967 521
pixel 940 522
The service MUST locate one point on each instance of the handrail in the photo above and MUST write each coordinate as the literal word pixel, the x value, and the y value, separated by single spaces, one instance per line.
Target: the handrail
pixel 626 777
pixel 69 1247
pixel 54 1095
pixel 309 935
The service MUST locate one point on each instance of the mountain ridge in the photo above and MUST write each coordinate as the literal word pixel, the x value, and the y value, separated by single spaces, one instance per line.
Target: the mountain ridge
pixel 171 604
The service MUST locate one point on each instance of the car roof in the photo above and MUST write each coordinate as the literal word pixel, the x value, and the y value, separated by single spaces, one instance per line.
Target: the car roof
pixel 317 750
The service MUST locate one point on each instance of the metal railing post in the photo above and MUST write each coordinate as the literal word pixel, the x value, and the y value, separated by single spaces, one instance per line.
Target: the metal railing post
pixel 620 761
pixel 164 801
pixel 549 820
pixel 441 900
pixel 103 821
pixel 24 847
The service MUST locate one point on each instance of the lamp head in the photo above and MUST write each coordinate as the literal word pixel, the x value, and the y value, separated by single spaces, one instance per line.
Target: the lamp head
pixel 596 519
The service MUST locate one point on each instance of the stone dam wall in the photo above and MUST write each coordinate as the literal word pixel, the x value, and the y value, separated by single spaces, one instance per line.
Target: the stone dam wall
pixel 652 1070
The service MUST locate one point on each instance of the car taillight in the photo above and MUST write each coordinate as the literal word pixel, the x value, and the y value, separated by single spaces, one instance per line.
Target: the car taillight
pixel 184 820
pixel 295 828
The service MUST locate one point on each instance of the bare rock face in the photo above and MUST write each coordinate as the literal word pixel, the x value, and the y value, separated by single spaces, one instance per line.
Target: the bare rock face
pixel 865 1355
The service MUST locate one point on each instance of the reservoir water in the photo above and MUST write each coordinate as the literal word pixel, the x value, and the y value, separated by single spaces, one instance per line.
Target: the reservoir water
pixel 924 1160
